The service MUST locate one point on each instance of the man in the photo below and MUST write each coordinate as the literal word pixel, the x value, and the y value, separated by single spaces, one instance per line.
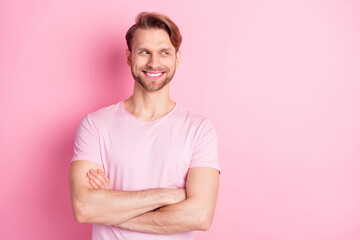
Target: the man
pixel 146 167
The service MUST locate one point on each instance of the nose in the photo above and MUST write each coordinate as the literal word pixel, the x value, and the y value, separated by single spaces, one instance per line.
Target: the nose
pixel 154 61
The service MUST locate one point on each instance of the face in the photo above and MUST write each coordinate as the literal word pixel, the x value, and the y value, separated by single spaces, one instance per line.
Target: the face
pixel 153 59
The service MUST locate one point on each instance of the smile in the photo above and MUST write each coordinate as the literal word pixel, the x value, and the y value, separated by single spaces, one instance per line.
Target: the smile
pixel 153 75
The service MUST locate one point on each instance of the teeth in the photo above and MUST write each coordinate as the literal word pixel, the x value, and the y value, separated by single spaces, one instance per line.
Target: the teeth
pixel 154 74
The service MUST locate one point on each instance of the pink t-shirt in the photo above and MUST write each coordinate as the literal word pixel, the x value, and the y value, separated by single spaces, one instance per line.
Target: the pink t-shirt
pixel 138 155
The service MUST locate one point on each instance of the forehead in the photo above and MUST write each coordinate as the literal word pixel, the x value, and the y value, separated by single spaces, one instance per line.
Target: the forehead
pixel 152 39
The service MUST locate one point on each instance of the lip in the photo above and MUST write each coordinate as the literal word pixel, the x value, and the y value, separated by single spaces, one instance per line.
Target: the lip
pixel 153 72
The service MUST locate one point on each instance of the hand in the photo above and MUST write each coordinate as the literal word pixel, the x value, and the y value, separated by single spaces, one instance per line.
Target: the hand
pixel 98 180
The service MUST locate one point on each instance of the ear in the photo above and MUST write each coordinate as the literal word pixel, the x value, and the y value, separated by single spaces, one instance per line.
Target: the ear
pixel 178 56
pixel 128 57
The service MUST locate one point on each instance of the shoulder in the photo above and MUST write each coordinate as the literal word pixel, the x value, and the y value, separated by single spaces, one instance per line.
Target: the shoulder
pixel 103 114
pixel 196 119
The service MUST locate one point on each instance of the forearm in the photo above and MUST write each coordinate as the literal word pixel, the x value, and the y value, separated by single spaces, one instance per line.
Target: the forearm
pixel 111 207
pixel 184 216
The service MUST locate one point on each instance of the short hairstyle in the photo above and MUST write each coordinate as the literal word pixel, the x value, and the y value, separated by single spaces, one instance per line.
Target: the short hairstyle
pixel 148 20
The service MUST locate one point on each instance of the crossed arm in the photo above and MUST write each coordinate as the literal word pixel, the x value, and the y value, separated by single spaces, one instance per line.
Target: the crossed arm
pixel 162 211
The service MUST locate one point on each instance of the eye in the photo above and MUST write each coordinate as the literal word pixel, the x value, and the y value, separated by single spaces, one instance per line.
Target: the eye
pixel 164 53
pixel 146 52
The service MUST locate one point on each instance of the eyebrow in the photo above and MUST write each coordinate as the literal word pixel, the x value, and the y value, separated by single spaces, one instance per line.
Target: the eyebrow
pixel 165 49
pixel 162 49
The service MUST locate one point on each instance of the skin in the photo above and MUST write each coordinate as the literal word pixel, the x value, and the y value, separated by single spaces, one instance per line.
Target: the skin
pixel 161 211
pixel 112 207
pixel 144 56
pixel 151 51
pixel 98 179
pixel 194 213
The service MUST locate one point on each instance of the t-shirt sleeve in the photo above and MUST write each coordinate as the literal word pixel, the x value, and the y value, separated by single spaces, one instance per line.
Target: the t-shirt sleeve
pixel 87 142
pixel 205 151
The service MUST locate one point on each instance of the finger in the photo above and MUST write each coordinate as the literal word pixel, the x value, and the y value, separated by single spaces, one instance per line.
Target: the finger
pixel 107 180
pixel 99 179
pixel 104 179
pixel 91 181
pixel 93 184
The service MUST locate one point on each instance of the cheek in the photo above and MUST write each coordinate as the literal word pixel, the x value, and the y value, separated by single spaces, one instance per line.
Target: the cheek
pixel 170 62
pixel 173 64
pixel 139 62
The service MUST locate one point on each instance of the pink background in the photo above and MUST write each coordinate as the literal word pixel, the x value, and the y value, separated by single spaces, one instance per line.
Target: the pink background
pixel 280 79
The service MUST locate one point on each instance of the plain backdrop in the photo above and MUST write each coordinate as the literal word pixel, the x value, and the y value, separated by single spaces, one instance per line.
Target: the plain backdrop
pixel 279 79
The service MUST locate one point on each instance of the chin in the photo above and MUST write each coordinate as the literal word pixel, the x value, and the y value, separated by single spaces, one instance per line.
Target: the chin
pixel 151 87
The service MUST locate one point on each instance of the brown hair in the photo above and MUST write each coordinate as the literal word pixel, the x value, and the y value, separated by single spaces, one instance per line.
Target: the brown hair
pixel 147 20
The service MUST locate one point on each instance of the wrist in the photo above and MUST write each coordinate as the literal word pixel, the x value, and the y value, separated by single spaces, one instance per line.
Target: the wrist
pixel 166 197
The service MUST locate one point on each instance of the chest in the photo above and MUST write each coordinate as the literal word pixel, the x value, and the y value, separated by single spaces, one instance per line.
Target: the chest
pixel 151 157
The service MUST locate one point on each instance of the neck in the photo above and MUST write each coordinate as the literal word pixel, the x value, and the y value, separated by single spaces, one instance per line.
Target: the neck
pixel 149 106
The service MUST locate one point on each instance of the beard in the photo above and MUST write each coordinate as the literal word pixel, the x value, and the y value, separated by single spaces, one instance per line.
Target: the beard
pixel 153 85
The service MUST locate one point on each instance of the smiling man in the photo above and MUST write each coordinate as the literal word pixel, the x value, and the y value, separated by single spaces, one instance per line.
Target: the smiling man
pixel 146 167
pixel 154 62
